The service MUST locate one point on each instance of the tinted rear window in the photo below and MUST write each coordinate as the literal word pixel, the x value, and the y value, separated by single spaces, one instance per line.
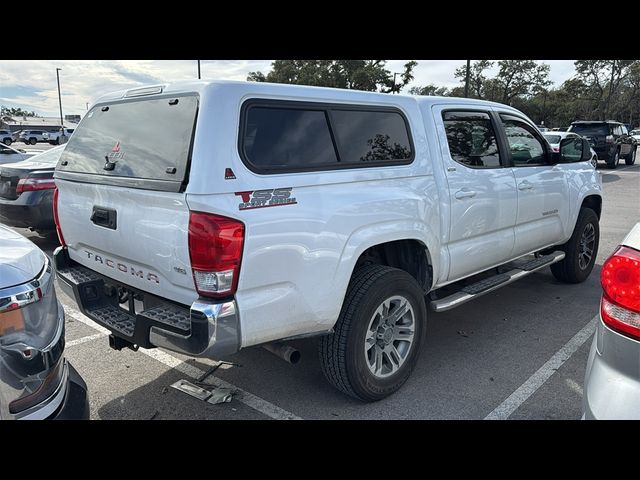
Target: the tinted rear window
pixel 590 129
pixel 142 139
pixel 552 138
pixel 283 138
pixel 293 136
pixel 365 136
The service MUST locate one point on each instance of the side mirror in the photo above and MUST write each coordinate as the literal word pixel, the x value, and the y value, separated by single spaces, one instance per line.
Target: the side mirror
pixel 574 150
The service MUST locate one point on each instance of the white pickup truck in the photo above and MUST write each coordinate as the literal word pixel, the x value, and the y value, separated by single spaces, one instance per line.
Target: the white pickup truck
pixel 206 217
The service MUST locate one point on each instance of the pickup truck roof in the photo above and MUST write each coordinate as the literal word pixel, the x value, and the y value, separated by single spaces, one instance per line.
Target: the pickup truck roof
pixel 321 93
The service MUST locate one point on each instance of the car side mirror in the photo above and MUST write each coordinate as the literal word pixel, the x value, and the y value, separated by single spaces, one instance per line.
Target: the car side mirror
pixel 574 150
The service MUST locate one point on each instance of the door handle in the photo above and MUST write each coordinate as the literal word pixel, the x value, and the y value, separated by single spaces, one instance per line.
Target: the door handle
pixel 525 185
pixel 464 193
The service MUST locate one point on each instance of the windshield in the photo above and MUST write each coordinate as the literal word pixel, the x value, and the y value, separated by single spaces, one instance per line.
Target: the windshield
pixel 142 139
pixel 590 129
pixel 552 138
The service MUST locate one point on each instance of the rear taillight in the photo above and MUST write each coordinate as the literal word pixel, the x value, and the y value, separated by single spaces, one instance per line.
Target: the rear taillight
pixel 31 184
pixel 620 279
pixel 555 149
pixel 56 218
pixel 215 250
pixel 609 139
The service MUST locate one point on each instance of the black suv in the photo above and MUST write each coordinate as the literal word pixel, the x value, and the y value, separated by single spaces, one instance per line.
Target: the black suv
pixel 609 139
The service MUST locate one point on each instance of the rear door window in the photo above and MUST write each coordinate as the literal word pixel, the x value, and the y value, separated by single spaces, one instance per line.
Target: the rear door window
pixel 148 139
pixel 472 139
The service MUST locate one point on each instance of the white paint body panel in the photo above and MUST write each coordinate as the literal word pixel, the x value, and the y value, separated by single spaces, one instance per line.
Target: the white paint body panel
pixel 298 259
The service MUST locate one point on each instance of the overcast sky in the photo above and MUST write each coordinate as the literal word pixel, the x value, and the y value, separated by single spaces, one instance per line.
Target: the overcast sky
pixel 31 84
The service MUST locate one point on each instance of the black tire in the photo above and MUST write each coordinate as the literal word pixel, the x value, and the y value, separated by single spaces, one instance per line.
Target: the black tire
pixel 7 141
pixel 631 159
pixel 33 141
pixel 569 269
pixel 342 354
pixel 615 160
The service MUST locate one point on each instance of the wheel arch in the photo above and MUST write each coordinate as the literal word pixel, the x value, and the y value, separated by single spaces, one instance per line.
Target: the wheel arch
pixel 396 245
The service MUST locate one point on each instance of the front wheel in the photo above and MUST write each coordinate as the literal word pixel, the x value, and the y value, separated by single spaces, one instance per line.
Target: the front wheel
pixel 7 141
pixel 631 159
pixel 377 338
pixel 581 249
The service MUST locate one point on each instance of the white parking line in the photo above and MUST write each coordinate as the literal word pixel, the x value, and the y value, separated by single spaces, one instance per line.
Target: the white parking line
pixel 80 341
pixel 249 399
pixel 535 381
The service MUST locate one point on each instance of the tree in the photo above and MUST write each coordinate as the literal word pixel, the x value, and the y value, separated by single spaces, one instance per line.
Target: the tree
pixel 605 77
pixel 369 75
pixel 477 79
pixel 516 79
pixel 520 78
pixel 15 112
pixel 431 90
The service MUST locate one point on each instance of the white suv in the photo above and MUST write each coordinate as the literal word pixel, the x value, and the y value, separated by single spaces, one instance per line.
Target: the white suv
pixel 54 136
pixel 206 217
pixel 6 137
pixel 34 136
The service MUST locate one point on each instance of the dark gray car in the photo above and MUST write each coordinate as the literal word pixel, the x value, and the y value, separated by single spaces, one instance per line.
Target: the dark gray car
pixel 26 192
pixel 610 140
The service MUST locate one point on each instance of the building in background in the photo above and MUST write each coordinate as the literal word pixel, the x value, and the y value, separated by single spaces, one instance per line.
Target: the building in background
pixel 47 124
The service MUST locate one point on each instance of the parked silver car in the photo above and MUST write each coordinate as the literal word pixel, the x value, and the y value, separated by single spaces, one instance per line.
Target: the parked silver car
pixel 612 380
pixel 36 381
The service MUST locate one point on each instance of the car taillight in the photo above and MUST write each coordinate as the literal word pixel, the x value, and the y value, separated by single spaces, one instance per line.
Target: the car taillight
pixel 31 184
pixel 555 149
pixel 620 279
pixel 215 250
pixel 609 139
pixel 56 218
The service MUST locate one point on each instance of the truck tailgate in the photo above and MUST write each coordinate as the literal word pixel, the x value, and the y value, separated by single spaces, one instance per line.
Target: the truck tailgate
pixel 147 249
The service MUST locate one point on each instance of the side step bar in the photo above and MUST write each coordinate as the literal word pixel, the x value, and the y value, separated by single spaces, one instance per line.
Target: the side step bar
pixel 490 284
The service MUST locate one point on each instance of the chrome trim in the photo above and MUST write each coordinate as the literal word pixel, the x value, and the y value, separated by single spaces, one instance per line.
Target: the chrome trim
pixel 458 298
pixel 49 406
pixel 28 292
pixel 223 331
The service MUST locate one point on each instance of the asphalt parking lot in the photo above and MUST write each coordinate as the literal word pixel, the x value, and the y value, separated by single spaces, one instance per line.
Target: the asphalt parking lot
pixel 519 353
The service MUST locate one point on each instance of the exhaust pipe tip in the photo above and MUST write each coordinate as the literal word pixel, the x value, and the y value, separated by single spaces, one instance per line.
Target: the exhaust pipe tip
pixel 285 352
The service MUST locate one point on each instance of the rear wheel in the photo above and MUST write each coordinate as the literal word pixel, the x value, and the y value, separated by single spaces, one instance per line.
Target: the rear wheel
pixel 377 338
pixel 631 158
pixel 32 141
pixel 615 160
pixel 7 141
pixel 581 249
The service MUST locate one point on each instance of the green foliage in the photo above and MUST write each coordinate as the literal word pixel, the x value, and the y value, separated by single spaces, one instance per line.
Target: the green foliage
pixel 369 75
pixel 599 90
pixel 431 90
pixel 15 112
